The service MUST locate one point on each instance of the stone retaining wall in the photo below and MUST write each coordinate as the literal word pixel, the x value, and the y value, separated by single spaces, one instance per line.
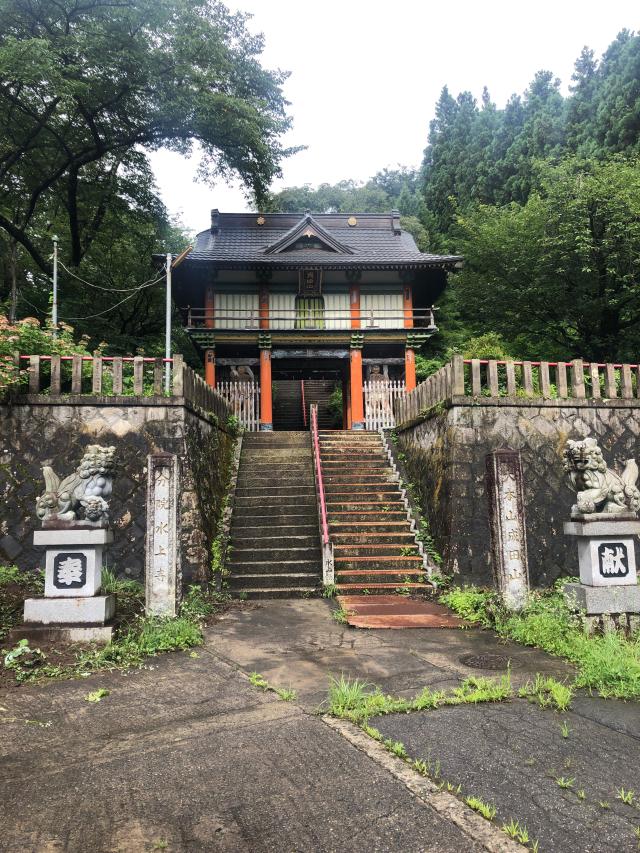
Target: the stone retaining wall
pixel 38 431
pixel 445 457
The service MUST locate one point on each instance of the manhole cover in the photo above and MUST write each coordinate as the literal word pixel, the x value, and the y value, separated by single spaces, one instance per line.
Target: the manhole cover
pixel 487 661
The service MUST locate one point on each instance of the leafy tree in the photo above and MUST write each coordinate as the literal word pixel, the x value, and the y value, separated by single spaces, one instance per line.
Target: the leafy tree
pixel 558 275
pixel 85 87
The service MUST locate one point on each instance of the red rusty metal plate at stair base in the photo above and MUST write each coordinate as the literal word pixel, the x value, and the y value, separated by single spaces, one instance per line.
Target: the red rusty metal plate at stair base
pixel 394 611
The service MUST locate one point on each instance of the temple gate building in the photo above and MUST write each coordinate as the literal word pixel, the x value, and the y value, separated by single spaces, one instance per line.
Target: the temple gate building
pixel 288 309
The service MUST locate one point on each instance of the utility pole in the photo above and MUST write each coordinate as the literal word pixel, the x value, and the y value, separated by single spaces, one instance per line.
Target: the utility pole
pixel 54 307
pixel 167 330
pixel 171 264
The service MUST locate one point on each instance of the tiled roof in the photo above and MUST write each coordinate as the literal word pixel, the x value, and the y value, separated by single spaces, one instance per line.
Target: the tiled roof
pixel 254 240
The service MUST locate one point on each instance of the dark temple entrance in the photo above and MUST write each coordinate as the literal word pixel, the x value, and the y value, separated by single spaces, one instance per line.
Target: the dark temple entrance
pixel 292 398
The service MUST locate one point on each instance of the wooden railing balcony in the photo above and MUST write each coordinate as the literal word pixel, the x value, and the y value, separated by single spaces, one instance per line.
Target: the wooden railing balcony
pixel 311 318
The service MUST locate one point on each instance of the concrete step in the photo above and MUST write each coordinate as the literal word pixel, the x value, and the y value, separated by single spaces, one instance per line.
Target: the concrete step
pixel 364 492
pixel 376 527
pixel 276 491
pixel 275 501
pixel 363 465
pixel 381 478
pixel 381 506
pixel 266 532
pixel 288 518
pixel 381 548
pixel 286 553
pixel 282 566
pixel 377 563
pixel 289 539
pixel 251 481
pixel 381 576
pixel 274 581
pixel 356 517
pixel 253 594
pixel 383 588
pixel 358 537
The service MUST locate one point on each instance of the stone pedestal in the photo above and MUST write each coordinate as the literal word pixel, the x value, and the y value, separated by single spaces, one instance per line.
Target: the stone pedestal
pixel 73 577
pixel 606 551
pixel 608 592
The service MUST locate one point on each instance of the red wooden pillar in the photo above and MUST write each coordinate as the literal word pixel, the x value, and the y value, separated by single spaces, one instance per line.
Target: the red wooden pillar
pixel 356 393
pixel 210 367
pixel 263 299
pixel 407 305
pixel 354 304
pixel 409 369
pixel 266 404
pixel 209 322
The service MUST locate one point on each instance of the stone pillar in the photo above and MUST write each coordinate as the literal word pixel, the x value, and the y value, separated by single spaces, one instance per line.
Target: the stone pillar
pixel 266 405
pixel 356 391
pixel 505 497
pixel 409 369
pixel 163 580
pixel 210 367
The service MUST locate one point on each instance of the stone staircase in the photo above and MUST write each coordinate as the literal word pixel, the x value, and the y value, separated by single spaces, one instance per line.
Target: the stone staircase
pixel 275 543
pixel 374 546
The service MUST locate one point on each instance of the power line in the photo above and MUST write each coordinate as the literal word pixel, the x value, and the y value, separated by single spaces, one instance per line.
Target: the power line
pixel 112 308
pixel 110 289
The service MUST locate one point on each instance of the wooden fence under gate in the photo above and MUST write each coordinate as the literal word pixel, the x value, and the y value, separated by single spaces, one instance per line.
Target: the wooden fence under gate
pixel 243 399
pixel 379 399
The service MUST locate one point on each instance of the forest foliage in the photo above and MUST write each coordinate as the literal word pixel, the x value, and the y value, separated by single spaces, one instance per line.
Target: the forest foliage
pixel 541 195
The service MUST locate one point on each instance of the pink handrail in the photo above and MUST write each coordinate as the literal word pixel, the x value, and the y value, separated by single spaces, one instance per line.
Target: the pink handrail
pixel 316 453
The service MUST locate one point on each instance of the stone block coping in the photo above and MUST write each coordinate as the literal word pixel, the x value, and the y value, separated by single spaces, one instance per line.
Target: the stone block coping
pixel 603 599
pixel 99 536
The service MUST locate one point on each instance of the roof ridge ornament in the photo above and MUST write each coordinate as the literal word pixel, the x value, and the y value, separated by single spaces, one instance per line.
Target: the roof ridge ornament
pixel 308 227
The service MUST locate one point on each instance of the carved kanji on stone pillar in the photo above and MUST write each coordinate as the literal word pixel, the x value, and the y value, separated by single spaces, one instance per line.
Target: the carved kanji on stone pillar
pixel 505 497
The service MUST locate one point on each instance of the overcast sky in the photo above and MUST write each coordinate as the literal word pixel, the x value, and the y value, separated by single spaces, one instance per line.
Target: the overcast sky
pixel 365 76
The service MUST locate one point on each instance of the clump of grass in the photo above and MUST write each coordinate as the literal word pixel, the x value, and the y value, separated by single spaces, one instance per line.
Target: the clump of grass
pixel 561 782
pixel 626 797
pixel 548 693
pixel 97 695
pixel 329 590
pixel 357 700
pixel 514 830
pixel 341 616
pixel 487 811
pixel 609 663
pixel 284 693
pixel 564 729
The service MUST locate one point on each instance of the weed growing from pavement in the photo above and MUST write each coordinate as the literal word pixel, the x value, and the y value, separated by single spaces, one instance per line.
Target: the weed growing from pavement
pixel 515 831
pixel 580 794
pixel 329 590
pixel 97 695
pixel 341 615
pixel 608 663
pixel 284 693
pixel 564 729
pixel 604 804
pixel 547 692
pixel 561 782
pixel 626 796
pixel 487 811
pixel 356 700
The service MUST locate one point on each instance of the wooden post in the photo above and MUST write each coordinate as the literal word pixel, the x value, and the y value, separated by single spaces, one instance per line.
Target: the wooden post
pixel 116 366
pixel 527 378
pixel 158 374
pixel 76 374
pixel 354 304
pixel 492 371
pixel 263 303
pixel 138 376
pixel 55 374
pixel 407 304
pixel 594 371
pixel 409 369
pixel 34 374
pixel 627 387
pixel 266 403
pixel 610 390
pixel 561 379
pixel 357 407
pixel 210 367
pixel 545 383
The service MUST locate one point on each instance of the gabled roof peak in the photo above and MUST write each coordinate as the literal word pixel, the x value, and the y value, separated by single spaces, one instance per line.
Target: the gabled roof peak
pixel 310 228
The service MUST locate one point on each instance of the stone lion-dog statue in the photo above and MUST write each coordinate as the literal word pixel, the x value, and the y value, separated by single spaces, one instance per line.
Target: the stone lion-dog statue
pixel 599 489
pixel 82 495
